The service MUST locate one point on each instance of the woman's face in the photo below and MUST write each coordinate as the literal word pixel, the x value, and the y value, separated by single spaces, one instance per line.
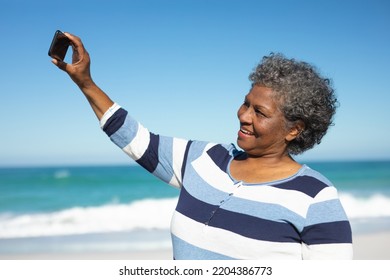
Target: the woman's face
pixel 263 130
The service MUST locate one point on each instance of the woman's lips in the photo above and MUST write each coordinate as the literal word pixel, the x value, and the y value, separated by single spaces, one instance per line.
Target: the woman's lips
pixel 245 133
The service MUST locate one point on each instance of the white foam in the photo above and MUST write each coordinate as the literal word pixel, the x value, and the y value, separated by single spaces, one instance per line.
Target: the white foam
pixel 61 174
pixel 143 214
pixel 374 206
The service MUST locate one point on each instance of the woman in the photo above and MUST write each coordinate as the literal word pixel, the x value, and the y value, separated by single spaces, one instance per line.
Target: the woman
pixel 254 203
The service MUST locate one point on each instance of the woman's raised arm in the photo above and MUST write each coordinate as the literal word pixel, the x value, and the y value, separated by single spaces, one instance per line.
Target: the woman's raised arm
pixel 80 73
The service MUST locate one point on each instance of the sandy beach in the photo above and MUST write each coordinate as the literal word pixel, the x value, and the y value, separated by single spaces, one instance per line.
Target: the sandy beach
pixel 133 255
pixel 370 246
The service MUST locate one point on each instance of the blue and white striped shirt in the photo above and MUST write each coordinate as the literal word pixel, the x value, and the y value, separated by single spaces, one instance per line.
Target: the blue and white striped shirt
pixel 218 217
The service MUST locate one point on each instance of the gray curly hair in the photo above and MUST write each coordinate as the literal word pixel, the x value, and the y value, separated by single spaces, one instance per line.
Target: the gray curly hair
pixel 304 96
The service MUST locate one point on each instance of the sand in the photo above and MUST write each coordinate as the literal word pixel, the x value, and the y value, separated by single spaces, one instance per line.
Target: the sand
pixel 372 246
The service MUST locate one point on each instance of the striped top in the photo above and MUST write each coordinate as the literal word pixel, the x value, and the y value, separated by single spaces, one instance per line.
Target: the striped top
pixel 218 217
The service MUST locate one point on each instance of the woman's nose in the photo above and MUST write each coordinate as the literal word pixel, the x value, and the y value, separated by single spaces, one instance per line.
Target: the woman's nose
pixel 245 114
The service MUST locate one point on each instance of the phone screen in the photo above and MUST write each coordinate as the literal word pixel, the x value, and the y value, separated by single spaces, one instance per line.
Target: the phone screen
pixel 59 46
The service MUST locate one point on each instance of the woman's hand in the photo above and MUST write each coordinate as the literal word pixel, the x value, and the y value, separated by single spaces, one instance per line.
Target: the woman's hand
pixel 79 70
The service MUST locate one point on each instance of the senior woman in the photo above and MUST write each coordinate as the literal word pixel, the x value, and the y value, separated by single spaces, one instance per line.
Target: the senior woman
pixel 255 202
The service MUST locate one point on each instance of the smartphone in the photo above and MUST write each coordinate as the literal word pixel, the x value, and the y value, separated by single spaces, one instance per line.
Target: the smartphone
pixel 59 46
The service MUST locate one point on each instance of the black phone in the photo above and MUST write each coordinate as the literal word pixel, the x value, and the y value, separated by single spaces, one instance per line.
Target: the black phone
pixel 59 46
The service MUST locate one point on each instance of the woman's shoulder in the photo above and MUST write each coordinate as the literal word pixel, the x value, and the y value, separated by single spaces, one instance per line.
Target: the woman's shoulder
pixel 210 152
pixel 214 147
pixel 316 175
pixel 308 181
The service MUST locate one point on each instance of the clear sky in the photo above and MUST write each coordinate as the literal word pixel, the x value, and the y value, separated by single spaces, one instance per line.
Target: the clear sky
pixel 181 68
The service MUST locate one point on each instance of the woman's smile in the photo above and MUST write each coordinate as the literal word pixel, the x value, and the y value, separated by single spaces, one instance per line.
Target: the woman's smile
pixel 245 133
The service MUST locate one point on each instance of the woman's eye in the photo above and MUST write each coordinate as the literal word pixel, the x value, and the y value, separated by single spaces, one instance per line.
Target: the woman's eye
pixel 258 112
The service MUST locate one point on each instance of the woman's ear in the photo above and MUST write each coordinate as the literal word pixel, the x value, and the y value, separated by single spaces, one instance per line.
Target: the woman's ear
pixel 295 130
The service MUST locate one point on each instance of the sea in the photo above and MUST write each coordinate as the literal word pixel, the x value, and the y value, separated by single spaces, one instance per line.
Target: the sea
pixel 123 208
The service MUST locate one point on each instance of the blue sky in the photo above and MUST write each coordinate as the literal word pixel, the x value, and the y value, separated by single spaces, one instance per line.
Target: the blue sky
pixel 181 68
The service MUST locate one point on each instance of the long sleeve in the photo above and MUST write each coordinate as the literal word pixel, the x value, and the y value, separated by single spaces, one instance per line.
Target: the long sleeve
pixel 160 155
pixel 327 232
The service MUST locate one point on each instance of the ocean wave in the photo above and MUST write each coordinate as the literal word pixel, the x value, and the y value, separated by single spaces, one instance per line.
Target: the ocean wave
pixel 147 214
pixel 61 174
pixel 374 206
